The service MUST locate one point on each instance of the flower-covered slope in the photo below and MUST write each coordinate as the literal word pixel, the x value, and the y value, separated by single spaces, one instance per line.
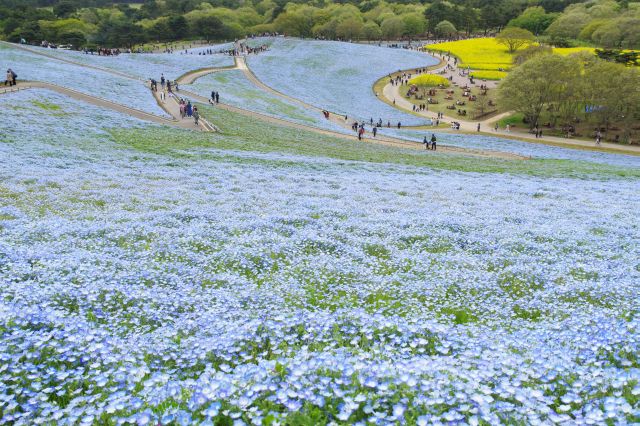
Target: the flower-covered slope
pixel 250 287
pixel 336 76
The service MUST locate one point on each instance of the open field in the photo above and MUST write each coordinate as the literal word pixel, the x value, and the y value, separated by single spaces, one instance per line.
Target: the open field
pixel 272 273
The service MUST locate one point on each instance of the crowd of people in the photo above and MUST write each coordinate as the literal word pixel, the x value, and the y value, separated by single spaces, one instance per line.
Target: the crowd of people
pixel 242 48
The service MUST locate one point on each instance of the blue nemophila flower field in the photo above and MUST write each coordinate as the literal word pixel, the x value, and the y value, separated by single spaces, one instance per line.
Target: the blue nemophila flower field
pixel 33 67
pixel 237 90
pixel 212 286
pixel 148 65
pixel 337 76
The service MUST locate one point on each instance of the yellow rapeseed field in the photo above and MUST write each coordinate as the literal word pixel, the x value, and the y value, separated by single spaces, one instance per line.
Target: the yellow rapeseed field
pixel 565 51
pixel 489 75
pixel 429 80
pixel 486 58
pixel 477 53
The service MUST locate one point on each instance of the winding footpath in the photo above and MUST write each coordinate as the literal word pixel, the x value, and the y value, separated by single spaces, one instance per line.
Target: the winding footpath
pixel 171 106
pixel 392 95
pixel 335 118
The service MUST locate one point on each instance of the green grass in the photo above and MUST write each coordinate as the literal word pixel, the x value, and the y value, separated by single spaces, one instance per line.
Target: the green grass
pixel 511 120
pixel 240 133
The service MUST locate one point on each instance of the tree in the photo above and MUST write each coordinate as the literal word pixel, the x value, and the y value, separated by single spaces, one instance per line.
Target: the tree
pixel 64 9
pixel 349 29
pixel 514 38
pixel 371 31
pixel 533 19
pixel 445 29
pixel 414 24
pixel 481 105
pixel 567 26
pixel 294 23
pixel 74 38
pixel 160 31
pixel 613 99
pixel 528 89
pixel 208 27
pixel 531 51
pixel 178 27
pixel 439 11
pixel 392 28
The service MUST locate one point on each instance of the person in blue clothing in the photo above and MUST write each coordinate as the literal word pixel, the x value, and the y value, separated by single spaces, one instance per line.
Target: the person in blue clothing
pixel 189 109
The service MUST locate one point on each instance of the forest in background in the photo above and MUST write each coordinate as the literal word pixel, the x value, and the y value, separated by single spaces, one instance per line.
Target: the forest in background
pixel 106 23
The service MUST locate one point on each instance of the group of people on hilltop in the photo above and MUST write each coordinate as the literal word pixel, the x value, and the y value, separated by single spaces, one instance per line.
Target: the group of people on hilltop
pixel 11 78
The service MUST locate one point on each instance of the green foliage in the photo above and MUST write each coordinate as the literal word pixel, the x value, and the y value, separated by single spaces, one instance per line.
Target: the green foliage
pixel 445 29
pixel 619 56
pixel 238 133
pixel 534 19
pixel 514 38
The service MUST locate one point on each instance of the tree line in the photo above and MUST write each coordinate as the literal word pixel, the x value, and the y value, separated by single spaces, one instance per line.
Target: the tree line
pixel 110 23
pixel 584 88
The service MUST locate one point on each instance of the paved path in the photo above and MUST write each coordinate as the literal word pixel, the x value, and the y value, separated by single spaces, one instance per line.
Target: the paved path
pixel 170 105
pixel 93 100
pixel 192 76
pixel 386 141
pixel 391 93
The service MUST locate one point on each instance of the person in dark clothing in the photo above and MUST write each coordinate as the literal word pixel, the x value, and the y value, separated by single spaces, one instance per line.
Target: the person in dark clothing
pixel 425 142
pixel 375 131
pixel 433 141
pixel 217 97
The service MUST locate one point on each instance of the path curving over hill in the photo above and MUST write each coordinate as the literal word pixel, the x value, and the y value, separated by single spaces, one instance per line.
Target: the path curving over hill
pixel 103 103
pixel 170 105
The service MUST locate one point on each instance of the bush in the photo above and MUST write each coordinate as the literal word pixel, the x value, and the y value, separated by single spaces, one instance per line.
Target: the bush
pixel 429 80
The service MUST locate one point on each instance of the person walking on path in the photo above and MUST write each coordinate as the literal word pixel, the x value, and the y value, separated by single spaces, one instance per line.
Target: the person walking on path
pixel 375 131
pixel 495 129
pixel 360 133
pixel 196 114
pixel 189 109
pixel 9 79
pixel 598 137
pixel 213 97
pixel 478 127
pixel 426 143
pixel 433 141
pixel 217 97
pixel 162 81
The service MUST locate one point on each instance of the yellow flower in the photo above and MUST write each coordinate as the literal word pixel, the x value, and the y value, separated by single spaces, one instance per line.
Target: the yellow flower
pixel 429 80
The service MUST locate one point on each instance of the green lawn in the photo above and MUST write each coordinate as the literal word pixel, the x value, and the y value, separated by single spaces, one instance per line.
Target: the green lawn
pixel 239 133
